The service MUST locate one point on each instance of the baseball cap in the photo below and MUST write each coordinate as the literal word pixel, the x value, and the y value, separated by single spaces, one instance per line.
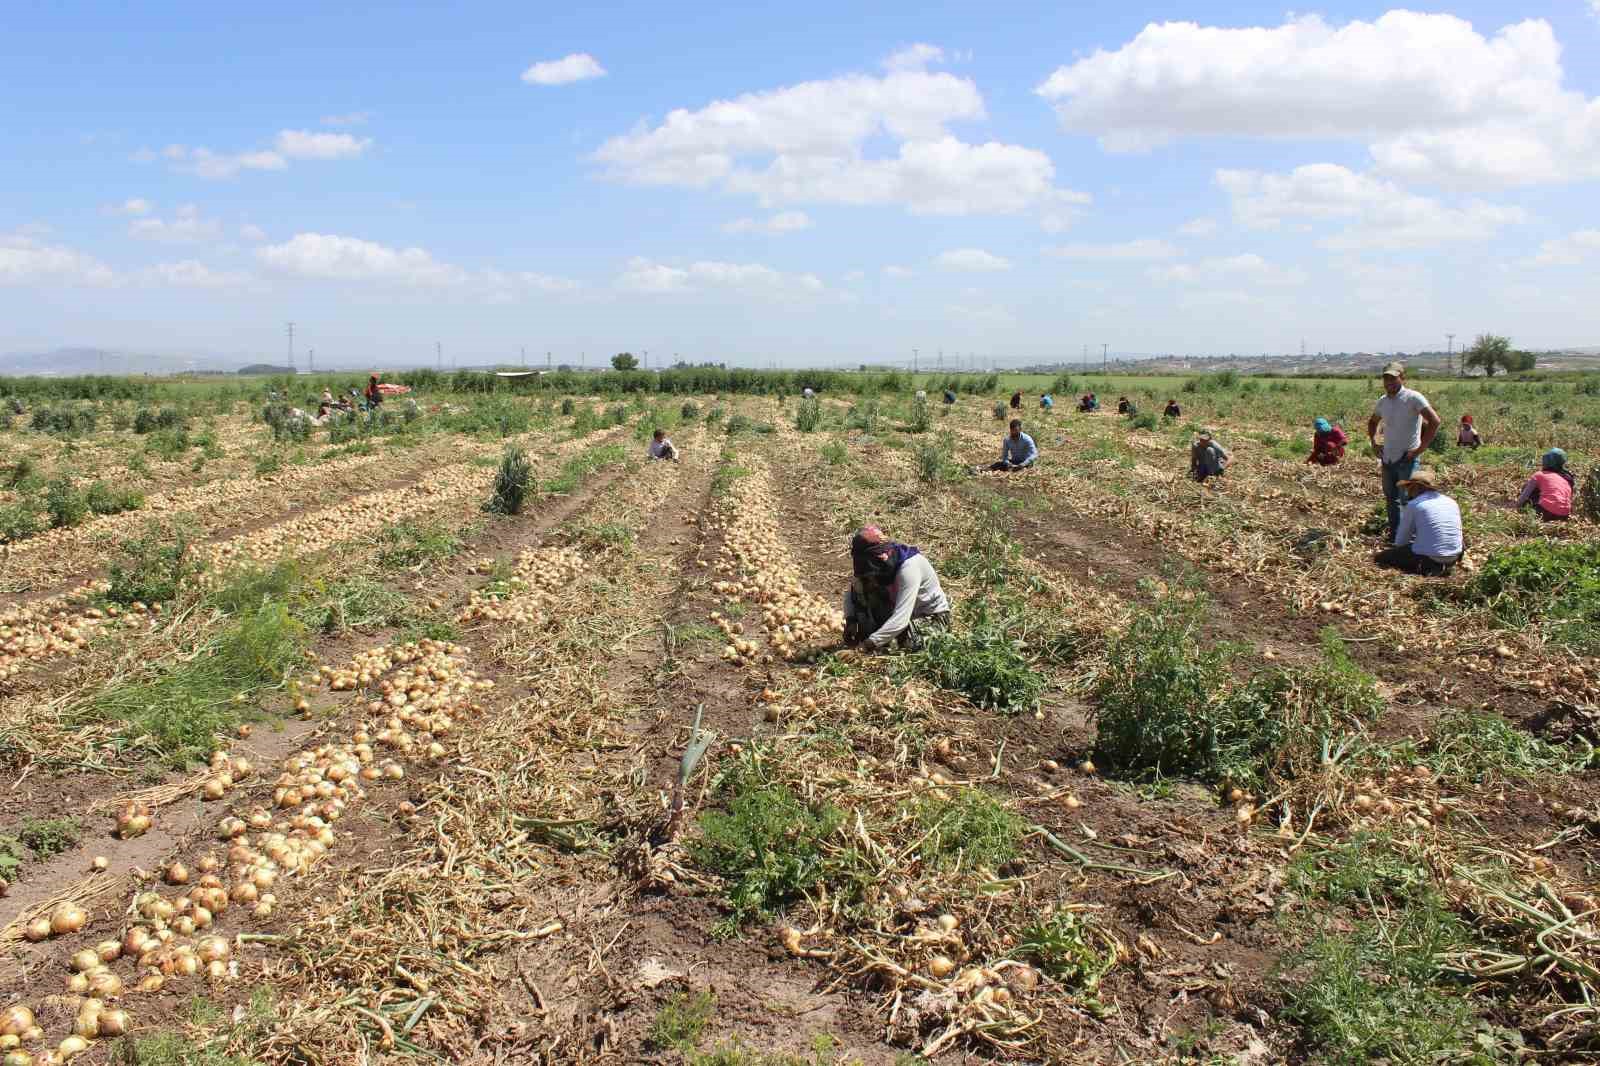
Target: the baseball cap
pixel 1394 370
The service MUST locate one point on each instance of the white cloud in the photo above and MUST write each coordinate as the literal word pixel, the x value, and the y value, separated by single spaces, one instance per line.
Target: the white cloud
pixel 187 226
pixel 306 144
pixel 204 163
pixel 191 274
pixel 252 233
pixel 1234 268
pixel 1199 227
pixel 897 272
pixel 580 66
pixel 349 118
pixel 917 57
pixel 1575 247
pixel 1144 249
pixel 973 259
pixel 333 258
pixel 1433 98
pixel 854 277
pixel 808 143
pixel 1383 215
pixel 647 276
pixel 26 260
pixel 775 226
pixel 132 208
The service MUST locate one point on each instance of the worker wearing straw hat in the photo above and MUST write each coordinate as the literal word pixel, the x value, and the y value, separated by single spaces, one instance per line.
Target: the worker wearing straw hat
pixel 1428 541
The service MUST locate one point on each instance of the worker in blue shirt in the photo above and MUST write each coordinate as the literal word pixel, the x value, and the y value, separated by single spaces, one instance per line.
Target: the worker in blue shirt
pixel 1017 452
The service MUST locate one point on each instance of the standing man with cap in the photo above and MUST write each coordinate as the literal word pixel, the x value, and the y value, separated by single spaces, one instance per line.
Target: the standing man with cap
pixel 1428 541
pixel 1409 423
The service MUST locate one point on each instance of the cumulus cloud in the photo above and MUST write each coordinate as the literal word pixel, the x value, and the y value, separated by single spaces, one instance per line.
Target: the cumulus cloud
pixel 917 57
pixel 26 260
pixel 187 226
pixel 307 144
pixel 1142 250
pixel 1199 227
pixel 775 226
pixel 1234 268
pixel 644 275
pixel 1432 97
pixel 204 163
pixel 328 257
pixel 1381 213
pixel 808 143
pixel 1572 249
pixel 972 259
pixel 579 66
pixel 191 274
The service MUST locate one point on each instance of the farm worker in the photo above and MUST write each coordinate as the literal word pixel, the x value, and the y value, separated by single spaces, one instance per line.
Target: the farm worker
pixel 922 394
pixel 1088 402
pixel 1467 435
pixel 1017 451
pixel 1173 410
pixel 807 392
pixel 374 394
pixel 1047 402
pixel 949 397
pixel 661 447
pixel 1123 406
pixel 1409 423
pixel 1016 400
pixel 1327 443
pixel 1550 490
pixel 893 587
pixel 1428 541
pixel 327 398
pixel 1207 458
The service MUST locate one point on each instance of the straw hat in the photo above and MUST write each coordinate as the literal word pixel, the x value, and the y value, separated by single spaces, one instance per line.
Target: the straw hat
pixel 1423 478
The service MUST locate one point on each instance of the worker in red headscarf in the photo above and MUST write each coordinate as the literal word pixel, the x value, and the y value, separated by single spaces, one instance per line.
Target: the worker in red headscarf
pixel 1467 435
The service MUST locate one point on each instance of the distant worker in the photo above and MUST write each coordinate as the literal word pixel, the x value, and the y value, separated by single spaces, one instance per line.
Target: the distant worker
pixel 1123 406
pixel 1550 490
pixel 1016 400
pixel 1173 410
pixel 1017 451
pixel 808 393
pixel 374 394
pixel 1207 458
pixel 1467 436
pixel 1327 443
pixel 1428 539
pixel 327 398
pixel 1409 424
pixel 949 397
pixel 922 394
pixel 893 587
pixel 661 447
pixel 1088 402
pixel 1047 402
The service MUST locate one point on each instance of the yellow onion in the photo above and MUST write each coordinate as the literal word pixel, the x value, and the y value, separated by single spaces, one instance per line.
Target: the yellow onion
pixel 85 960
pixel 71 1047
pixel 136 941
pixel 36 930
pixel 114 1022
pixel 213 947
pixel 14 1021
pixel 67 918
pixel 17 1058
pixel 177 874
pixel 105 985
pixel 108 950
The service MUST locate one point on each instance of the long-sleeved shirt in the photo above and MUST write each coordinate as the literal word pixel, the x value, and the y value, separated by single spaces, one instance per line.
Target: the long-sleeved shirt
pixel 662 449
pixel 1551 491
pixel 1019 450
pixel 1327 448
pixel 1208 459
pixel 916 595
pixel 1431 525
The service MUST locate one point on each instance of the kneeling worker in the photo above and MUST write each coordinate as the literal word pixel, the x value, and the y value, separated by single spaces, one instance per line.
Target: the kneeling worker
pixel 893 587
pixel 1428 540
pixel 1017 452
pixel 661 447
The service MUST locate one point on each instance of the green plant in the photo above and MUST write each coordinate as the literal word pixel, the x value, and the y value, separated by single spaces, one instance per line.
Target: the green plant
pixel 921 415
pixel 11 856
pixel 1369 869
pixel 934 465
pixel 966 829
pixel 767 846
pixel 249 588
pixel 153 567
pixel 1544 580
pixel 1589 495
pixel 999 412
pixel 355 602
pixel 18 521
pixel 566 405
pixel 270 463
pixel 410 543
pixel 983 661
pixel 681 1021
pixel 862 417
pixel 1469 746
pixel 64 503
pixel 49 836
pixel 689 411
pixel 103 499
pixel 512 481
pixel 824 1052
pixel 1062 945
pixel 834 453
pixel 1147 420
pixel 808 415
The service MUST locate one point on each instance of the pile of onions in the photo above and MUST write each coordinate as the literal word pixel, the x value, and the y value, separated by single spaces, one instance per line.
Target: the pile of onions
pixel 538 579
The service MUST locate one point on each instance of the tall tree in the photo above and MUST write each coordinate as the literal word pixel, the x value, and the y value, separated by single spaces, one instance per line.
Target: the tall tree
pixel 1489 352
pixel 625 361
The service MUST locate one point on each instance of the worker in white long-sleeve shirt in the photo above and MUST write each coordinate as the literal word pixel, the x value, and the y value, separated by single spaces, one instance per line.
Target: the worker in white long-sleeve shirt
pixel 894 587
pixel 1428 541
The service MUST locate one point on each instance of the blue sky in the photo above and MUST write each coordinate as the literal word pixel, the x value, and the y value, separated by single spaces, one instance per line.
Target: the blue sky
pixel 1008 182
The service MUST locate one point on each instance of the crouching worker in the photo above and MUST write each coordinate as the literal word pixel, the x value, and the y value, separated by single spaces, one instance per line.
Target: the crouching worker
pixel 893 589
pixel 1017 451
pixel 661 447
pixel 1550 490
pixel 1207 458
pixel 1428 540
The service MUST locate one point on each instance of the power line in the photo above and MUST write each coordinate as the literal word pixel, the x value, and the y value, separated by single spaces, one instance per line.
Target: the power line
pixel 291 347
pixel 1450 353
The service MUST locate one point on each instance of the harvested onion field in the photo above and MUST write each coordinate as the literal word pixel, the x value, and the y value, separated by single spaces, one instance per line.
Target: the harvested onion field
pixel 308 757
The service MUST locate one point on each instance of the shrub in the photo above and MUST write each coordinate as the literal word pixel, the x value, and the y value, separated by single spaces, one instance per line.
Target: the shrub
pixel 566 405
pixel 1145 421
pixel 154 567
pixel 921 415
pixel 1589 495
pixel 715 415
pixel 808 415
pixel 966 830
pixel 103 499
pixel 862 417
pixel 64 503
pixel 834 453
pixel 767 846
pixel 512 481
pixel 50 836
pixel 934 464
pixel 1000 412
pixel 689 411
pixel 740 424
pixel 1544 580
pixel 984 662
pixel 18 521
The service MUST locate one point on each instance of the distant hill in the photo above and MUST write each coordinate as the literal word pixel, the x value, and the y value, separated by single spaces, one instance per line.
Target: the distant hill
pixel 65 362
pixel 265 368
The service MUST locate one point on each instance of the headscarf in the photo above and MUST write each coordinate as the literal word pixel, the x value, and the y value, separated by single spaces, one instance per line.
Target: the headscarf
pixel 868 544
pixel 1554 460
pixel 1323 425
pixel 1466 420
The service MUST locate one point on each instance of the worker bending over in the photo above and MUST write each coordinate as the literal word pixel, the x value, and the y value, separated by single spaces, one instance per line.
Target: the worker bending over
pixel 894 587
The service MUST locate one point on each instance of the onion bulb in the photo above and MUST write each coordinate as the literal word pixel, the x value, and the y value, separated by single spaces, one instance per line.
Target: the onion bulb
pixel 941 966
pixel 105 985
pixel 114 1022
pixel 85 960
pixel 67 918
pixel 71 1047
pixel 108 950
pixel 177 874
pixel 14 1021
pixel 17 1058
pixel 100 863
pixel 36 930
pixel 948 923
pixel 213 947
